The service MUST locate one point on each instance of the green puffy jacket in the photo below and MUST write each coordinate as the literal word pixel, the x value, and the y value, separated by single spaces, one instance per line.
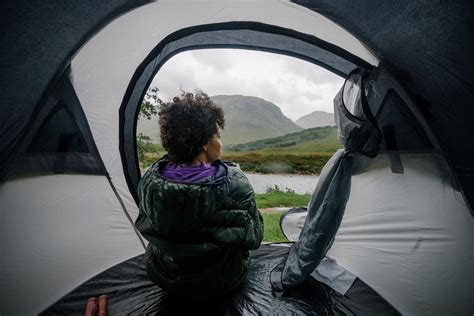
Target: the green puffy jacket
pixel 199 233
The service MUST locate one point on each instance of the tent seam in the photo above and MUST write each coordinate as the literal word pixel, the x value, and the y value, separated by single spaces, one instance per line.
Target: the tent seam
pixel 126 211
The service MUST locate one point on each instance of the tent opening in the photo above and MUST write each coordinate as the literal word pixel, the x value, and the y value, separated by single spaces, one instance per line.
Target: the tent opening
pixel 242 35
pixel 278 109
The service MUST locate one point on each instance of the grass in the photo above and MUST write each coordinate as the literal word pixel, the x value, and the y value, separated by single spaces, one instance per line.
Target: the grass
pixel 275 198
pixel 305 157
pixel 279 161
pixel 272 231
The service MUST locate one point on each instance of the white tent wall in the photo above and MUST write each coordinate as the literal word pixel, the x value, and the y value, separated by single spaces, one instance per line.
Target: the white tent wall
pixel 103 68
pixel 57 232
pixel 409 236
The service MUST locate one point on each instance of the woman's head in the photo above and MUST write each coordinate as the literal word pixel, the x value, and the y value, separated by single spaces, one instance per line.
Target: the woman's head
pixel 190 125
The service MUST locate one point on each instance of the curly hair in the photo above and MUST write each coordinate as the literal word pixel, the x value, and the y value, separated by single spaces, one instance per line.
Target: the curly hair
pixel 187 124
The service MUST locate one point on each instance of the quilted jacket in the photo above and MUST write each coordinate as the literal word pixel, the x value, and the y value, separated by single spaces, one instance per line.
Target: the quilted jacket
pixel 199 233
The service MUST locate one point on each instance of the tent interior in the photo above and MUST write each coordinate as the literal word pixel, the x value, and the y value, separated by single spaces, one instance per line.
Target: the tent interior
pixel 74 75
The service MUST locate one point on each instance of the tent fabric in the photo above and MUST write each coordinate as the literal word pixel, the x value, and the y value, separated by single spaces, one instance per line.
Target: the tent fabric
pixel 359 133
pixel 394 237
pixel 358 130
pixel 37 43
pixel 57 140
pixel 428 46
pixel 407 133
pixel 130 291
pixel 325 213
pixel 336 276
pixel 57 232
pixel 422 51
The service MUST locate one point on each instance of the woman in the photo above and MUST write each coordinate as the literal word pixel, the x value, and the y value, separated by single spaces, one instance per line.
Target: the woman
pixel 198 213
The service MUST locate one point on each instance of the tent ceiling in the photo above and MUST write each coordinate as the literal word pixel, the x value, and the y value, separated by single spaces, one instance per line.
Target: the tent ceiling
pixel 37 43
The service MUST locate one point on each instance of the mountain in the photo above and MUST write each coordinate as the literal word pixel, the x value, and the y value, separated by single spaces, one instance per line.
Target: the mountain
pixel 316 119
pixel 250 118
pixel 246 119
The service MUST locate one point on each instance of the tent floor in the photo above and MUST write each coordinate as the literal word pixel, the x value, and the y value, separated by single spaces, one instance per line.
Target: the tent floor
pixel 131 292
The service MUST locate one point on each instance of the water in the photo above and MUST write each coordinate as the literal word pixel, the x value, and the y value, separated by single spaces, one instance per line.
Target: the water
pixel 301 184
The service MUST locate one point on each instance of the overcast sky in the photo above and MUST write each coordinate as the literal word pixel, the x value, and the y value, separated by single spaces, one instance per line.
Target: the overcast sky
pixel 296 86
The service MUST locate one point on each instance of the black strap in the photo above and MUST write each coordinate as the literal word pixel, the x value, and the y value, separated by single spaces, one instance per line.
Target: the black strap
pixel 389 135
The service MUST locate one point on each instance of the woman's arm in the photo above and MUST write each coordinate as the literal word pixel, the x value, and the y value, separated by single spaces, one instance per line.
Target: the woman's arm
pixel 238 222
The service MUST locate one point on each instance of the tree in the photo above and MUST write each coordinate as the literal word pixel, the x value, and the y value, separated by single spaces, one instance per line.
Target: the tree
pixel 148 109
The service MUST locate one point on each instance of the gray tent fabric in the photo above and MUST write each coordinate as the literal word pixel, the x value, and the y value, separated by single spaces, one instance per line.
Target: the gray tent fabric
pixel 57 140
pixel 428 46
pixel 37 43
pixel 325 213
pixel 359 134
pixel 406 234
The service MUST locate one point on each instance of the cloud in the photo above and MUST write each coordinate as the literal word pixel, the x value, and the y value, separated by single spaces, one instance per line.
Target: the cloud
pixel 296 86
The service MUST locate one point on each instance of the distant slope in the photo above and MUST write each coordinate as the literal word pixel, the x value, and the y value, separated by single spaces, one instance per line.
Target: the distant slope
pixel 316 119
pixel 246 119
pixel 318 139
pixel 250 118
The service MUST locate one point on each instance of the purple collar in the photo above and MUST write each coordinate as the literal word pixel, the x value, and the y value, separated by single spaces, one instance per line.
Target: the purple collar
pixel 187 174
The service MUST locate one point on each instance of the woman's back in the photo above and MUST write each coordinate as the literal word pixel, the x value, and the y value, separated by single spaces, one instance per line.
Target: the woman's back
pixel 198 214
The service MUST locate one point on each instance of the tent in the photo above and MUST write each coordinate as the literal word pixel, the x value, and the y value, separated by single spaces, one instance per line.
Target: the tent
pixel 74 73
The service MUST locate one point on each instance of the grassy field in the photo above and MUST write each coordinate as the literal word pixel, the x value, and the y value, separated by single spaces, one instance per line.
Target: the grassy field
pixel 267 161
pixel 304 157
pixel 277 198
pixel 272 231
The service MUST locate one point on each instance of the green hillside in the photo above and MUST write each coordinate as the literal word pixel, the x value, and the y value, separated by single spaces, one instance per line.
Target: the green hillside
pixel 304 152
pixel 318 139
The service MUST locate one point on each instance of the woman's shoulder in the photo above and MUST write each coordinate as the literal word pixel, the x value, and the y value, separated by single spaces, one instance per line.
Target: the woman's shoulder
pixel 237 178
pixel 234 169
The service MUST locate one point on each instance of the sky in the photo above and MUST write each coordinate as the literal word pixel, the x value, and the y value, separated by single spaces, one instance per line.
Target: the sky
pixel 296 86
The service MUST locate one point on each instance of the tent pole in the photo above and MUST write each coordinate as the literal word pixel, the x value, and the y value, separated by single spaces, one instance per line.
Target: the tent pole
pixel 126 212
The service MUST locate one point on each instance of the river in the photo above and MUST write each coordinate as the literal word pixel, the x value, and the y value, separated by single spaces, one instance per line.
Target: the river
pixel 301 184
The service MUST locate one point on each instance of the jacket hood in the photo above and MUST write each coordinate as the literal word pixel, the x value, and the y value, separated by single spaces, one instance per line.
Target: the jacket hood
pixel 218 177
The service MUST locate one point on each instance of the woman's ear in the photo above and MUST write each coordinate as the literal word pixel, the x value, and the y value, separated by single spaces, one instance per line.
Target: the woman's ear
pixel 204 147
